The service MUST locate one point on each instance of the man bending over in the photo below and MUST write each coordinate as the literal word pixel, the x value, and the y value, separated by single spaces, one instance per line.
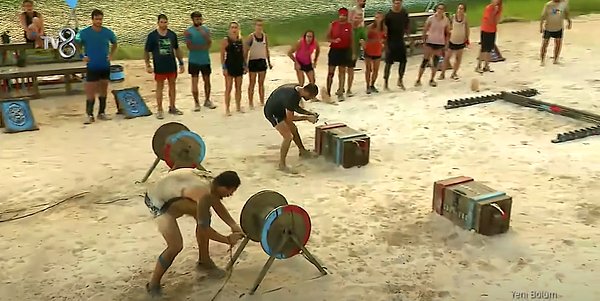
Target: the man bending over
pixel 279 111
pixel 184 192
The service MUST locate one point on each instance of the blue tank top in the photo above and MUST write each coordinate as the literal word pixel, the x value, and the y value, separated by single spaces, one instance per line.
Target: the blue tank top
pixel 198 57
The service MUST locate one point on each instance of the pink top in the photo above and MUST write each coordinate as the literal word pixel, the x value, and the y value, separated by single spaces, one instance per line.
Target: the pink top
pixel 305 51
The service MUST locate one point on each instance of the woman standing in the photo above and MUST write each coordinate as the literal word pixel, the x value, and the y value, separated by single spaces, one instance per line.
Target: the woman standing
pixel 26 19
pixel 376 32
pixel 234 67
pixel 259 59
pixel 301 55
pixel 437 29
pixel 459 38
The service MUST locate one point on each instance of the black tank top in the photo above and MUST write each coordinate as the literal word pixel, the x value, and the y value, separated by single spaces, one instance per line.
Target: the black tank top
pixel 28 21
pixel 235 53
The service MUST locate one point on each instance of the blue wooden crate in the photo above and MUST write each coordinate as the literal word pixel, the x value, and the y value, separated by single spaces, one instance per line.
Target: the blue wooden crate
pixel 131 103
pixel 17 116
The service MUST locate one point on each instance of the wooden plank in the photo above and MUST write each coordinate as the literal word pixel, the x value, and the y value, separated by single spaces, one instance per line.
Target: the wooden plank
pixel 541 105
pixel 42 70
pixel 16 46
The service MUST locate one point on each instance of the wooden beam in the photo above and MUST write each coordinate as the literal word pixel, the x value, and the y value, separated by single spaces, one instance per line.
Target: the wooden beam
pixel 551 108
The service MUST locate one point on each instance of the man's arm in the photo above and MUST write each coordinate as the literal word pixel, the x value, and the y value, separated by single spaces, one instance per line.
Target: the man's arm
pixel 178 52
pixel 223 213
pixel 113 48
pixel 329 37
pixel 42 30
pixel 543 18
pixel 147 50
pixel 190 46
pixel 203 227
pixel 568 17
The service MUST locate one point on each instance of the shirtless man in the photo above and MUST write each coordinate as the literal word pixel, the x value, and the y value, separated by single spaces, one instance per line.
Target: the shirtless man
pixel 279 111
pixel 552 25
pixel 187 192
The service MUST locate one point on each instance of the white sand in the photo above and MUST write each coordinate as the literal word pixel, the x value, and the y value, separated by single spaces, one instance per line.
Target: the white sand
pixel 372 226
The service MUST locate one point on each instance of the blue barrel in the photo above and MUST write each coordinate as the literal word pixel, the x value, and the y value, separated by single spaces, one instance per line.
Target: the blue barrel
pixel 117 73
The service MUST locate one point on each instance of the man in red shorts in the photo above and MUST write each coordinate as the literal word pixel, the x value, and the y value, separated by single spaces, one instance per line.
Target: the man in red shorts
pixel 163 45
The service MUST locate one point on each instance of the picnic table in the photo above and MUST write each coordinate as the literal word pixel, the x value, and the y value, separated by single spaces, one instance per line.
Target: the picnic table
pixel 33 72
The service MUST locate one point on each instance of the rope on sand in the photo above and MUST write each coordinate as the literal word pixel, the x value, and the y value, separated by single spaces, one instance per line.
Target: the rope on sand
pixel 14 218
pixel 229 273
pixel 75 196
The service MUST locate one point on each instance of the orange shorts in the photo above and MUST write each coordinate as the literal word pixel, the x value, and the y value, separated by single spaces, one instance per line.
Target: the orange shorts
pixel 164 76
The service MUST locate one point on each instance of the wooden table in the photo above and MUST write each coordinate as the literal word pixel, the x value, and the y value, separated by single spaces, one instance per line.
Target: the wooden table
pixel 34 71
pixel 18 48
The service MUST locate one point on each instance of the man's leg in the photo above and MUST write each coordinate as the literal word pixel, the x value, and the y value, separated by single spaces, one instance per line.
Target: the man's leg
pixel 195 81
pixel 544 47
pixel 330 74
pixel 160 86
pixel 206 71
pixel 172 92
pixel 168 227
pixel 557 48
pixel 102 92
pixel 298 140
pixel 287 135
pixel 350 70
pixel 341 82
pixel 91 85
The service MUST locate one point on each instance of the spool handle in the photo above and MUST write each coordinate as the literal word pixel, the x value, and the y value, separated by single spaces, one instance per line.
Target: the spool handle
pixel 503 214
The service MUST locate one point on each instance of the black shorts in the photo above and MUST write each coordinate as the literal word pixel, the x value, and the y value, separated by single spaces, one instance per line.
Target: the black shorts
pixel 274 117
pixel 553 34
pixel 373 57
pixel 395 52
pixel 195 69
pixel 258 65
pixel 307 67
pixel 97 75
pixel 340 57
pixel 352 64
pixel 435 46
pixel 235 69
pixel 488 41
pixel 452 46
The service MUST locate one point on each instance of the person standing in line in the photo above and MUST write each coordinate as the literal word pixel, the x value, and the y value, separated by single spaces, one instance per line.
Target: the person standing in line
pixel 198 42
pixel 356 16
pixel 459 39
pixel 489 26
pixel 302 56
pixel 162 43
pixel 398 25
pixel 373 49
pixel 234 66
pixel 339 36
pixel 437 30
pixel 259 59
pixel 95 40
pixel 552 25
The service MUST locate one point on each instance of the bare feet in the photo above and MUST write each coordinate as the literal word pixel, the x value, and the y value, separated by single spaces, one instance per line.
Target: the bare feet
pixel 154 291
pixel 287 169
pixel 308 154
pixel 211 269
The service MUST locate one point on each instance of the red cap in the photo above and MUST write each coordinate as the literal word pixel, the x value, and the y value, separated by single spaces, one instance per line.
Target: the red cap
pixel 343 11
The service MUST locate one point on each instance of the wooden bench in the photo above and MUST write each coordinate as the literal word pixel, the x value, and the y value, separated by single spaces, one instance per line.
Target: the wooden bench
pixel 69 70
pixel 415 38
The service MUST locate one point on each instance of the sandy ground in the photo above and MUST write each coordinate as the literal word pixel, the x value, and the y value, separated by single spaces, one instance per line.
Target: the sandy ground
pixel 372 226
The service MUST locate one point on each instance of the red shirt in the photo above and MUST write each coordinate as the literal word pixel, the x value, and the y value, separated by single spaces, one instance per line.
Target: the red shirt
pixel 374 45
pixel 342 31
pixel 488 23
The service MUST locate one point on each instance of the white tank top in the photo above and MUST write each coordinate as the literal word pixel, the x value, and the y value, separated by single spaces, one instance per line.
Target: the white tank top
pixel 173 184
pixel 437 30
pixel 258 49
pixel 459 31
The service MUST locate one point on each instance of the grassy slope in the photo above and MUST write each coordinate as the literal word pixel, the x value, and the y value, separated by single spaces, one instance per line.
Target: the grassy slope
pixel 287 32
